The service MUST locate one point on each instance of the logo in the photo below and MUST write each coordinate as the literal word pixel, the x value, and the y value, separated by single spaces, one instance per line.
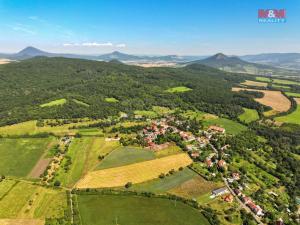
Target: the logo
pixel 271 15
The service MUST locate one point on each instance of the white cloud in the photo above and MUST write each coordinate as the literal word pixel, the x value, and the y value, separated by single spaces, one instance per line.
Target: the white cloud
pixel 94 44
pixel 121 45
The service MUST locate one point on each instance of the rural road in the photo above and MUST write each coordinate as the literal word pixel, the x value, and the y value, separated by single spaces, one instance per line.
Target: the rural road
pixel 258 220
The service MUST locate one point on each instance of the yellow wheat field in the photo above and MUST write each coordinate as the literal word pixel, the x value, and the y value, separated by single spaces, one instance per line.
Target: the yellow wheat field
pixel 135 173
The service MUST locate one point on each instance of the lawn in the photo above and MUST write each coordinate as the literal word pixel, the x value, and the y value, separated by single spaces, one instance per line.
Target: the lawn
pixel 55 103
pixel 135 173
pixel 133 210
pixel 292 94
pixel 264 79
pixel 179 89
pixel 249 115
pixel 111 100
pixel 163 185
pixel 293 117
pixel 19 156
pixel 124 156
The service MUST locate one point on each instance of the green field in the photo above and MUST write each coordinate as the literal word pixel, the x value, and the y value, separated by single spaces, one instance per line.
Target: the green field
pixel 145 113
pixel 231 126
pixel 279 81
pixel 249 115
pixel 5 186
pixel 178 89
pixel 134 210
pixel 163 185
pixel 292 94
pixel 125 156
pixel 293 117
pixel 264 79
pixel 55 103
pixel 111 100
pixel 81 103
pixel 280 86
pixel 19 156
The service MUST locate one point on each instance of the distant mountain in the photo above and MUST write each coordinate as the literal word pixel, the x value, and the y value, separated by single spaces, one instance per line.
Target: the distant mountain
pixel 118 56
pixel 30 52
pixel 284 60
pixel 236 65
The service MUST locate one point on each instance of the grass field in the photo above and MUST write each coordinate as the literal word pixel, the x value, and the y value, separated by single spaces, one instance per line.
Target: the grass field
pixel 293 117
pixel 5 186
pixel 25 200
pixel 111 100
pixel 249 115
pixel 124 156
pixel 133 210
pixel 292 94
pixel 274 99
pixel 254 83
pixel 264 79
pixel 55 103
pixel 80 102
pixel 19 156
pixel 145 113
pixel 135 173
pixel 178 89
pixel 280 86
pixel 279 81
pixel 170 150
pixel 163 185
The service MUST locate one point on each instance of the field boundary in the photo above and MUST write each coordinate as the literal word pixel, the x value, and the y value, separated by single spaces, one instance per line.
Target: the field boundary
pixel 9 190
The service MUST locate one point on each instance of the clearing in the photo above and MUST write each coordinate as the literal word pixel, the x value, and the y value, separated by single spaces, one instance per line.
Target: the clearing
pixel 264 79
pixel 249 115
pixel 19 156
pixel 179 89
pixel 274 99
pixel 80 102
pixel 54 103
pixel 135 173
pixel 111 100
pixel 133 210
pixel 293 117
pixel 254 83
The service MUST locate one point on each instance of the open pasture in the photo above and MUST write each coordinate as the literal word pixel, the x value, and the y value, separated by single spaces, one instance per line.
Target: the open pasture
pixel 19 156
pixel 133 210
pixel 54 103
pixel 274 99
pixel 179 89
pixel 263 79
pixel 249 115
pixel 135 173
pixel 293 117
pixel 254 83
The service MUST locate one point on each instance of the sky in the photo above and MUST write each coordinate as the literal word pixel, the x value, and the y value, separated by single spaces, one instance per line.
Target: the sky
pixel 148 27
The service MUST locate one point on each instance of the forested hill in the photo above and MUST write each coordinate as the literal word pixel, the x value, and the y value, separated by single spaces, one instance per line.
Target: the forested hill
pixel 25 85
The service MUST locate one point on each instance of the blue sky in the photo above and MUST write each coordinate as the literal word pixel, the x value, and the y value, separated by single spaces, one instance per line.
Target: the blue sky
pixel 185 27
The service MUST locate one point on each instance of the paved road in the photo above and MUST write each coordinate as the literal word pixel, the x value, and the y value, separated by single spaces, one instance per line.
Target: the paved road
pixel 242 205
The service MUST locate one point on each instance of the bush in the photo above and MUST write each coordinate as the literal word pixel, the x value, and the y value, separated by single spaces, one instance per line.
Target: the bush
pixel 162 175
pixel 128 185
pixel 57 183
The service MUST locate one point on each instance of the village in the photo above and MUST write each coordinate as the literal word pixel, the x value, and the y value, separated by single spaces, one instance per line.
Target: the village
pixel 195 145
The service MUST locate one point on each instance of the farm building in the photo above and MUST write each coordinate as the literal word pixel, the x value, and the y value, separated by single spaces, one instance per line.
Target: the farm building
pixel 220 191
pixel 216 129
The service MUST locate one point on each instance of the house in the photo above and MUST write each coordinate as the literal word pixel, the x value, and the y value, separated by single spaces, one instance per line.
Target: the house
pixel 221 163
pixel 228 198
pixel 208 162
pixel 216 129
pixel 195 155
pixel 255 208
pixel 237 192
pixel 236 176
pixel 246 199
pixel 220 191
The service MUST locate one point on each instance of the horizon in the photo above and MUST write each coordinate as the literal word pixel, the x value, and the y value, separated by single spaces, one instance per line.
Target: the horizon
pixel 154 28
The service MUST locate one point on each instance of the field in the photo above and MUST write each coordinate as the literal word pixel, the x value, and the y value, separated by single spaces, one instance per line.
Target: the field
pixel 111 100
pixel 84 154
pixel 292 94
pixel 274 99
pixel 145 113
pixel 55 103
pixel 124 156
pixel 81 103
pixel 288 82
pixel 135 173
pixel 133 210
pixel 254 83
pixel 19 156
pixel 264 79
pixel 249 115
pixel 22 221
pixel 178 89
pixel 293 117
pixel 280 86
pixel 25 200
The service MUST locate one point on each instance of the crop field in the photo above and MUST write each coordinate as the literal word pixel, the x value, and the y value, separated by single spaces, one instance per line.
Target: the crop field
pixel 124 156
pixel 135 173
pixel 19 156
pixel 170 150
pixel 133 210
pixel 293 117
pixel 55 103
pixel 25 200
pixel 264 79
pixel 22 221
pixel 274 99
pixel 159 185
pixel 111 100
pixel 5 187
pixel 255 83
pixel 288 82
pixel 292 94
pixel 249 115
pixel 178 89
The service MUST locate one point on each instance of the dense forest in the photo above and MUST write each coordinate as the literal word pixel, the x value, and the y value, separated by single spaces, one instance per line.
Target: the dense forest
pixel 25 85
